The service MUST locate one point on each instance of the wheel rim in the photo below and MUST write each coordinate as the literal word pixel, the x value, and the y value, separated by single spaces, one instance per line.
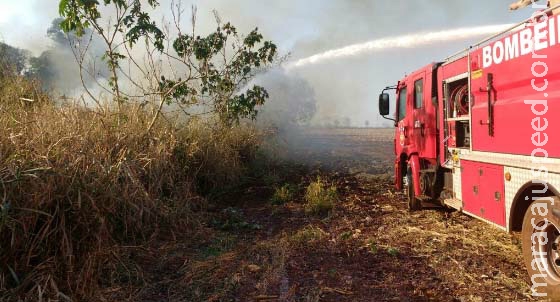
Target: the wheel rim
pixel 550 250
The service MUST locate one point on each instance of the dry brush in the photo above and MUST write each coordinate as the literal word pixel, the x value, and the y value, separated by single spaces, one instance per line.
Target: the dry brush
pixel 79 187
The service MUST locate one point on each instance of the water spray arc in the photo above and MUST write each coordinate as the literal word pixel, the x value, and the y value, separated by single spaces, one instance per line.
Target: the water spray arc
pixel 406 41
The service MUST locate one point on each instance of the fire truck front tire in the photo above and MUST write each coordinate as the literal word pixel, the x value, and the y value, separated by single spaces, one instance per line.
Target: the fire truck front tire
pixel 540 239
pixel 414 204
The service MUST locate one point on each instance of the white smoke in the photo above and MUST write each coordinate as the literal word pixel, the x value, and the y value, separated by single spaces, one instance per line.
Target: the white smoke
pixel 406 41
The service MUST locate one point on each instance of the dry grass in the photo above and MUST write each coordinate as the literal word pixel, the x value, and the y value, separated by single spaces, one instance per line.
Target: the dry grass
pixel 79 186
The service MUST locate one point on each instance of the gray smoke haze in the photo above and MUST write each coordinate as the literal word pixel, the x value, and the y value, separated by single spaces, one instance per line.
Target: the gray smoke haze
pixel 57 66
pixel 291 102
pixel 343 88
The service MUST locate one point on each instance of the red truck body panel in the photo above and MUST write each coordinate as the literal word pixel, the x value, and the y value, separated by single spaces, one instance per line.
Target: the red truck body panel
pixel 519 71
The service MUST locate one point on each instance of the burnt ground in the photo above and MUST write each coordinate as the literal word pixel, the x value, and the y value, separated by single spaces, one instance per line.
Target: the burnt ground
pixel 369 248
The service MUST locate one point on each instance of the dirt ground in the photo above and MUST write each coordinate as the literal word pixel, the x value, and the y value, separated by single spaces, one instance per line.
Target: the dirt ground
pixel 370 248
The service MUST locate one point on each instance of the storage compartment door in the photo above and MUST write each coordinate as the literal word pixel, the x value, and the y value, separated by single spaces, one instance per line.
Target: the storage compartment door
pixel 492 194
pixel 483 191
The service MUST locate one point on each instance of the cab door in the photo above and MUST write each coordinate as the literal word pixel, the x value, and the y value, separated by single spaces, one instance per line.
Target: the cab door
pixel 404 118
pixel 418 119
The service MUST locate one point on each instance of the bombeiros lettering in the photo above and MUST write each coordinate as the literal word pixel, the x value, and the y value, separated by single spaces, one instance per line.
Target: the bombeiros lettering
pixel 536 36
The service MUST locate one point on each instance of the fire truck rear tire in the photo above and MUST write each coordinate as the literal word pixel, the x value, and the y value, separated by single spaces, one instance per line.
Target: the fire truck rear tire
pixel 541 244
pixel 414 204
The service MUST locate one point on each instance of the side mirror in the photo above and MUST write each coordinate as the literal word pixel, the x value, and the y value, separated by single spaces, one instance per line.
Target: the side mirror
pixel 384 104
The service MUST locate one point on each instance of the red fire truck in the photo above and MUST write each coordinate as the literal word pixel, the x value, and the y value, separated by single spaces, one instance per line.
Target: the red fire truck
pixel 480 133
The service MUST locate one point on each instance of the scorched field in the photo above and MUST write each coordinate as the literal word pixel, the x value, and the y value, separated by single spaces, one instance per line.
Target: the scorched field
pixel 267 243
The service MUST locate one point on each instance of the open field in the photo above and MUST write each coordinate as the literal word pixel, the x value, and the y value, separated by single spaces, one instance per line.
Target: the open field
pixel 369 248
pixel 349 150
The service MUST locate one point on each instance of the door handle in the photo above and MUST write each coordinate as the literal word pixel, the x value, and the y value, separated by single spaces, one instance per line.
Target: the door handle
pixel 490 90
pixel 404 130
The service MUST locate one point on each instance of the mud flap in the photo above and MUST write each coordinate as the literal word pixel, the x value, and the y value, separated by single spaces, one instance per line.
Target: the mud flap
pixel 398 175
pixel 415 167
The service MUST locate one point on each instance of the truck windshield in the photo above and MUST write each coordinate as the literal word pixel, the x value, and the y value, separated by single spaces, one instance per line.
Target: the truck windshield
pixel 402 104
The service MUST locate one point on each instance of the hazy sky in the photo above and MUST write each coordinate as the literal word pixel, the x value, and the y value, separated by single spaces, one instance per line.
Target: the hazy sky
pixel 346 87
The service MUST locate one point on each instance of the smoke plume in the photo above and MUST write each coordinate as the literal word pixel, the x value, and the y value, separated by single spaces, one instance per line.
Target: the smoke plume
pixel 291 100
pixel 344 86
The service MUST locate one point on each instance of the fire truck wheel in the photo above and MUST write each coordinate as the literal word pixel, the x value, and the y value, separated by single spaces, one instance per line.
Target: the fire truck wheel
pixel 413 203
pixel 541 246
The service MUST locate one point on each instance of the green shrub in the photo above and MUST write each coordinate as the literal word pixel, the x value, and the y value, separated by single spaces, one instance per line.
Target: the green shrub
pixel 308 234
pixel 320 198
pixel 346 235
pixel 393 251
pixel 283 194
pixel 372 246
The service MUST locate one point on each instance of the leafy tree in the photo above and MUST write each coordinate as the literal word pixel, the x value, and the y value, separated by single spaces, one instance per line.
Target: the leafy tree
pixel 209 72
pixel 219 78
pixel 79 15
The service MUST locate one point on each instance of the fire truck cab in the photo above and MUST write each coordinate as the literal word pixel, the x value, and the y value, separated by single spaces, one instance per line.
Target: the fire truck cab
pixel 478 132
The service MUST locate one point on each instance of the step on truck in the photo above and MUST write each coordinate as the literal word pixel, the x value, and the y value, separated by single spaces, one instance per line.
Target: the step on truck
pixel 479 132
